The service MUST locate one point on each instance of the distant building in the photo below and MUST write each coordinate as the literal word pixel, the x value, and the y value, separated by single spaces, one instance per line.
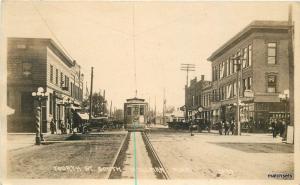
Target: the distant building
pixel 195 97
pixel 33 63
pixel 264 48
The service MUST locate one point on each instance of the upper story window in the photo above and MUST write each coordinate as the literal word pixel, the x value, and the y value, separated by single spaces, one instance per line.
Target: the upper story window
pixel 26 103
pixel 271 83
pixel 61 79
pixel 21 46
pixel 56 76
pixel 272 52
pixel 250 55
pixel 27 69
pixel 51 73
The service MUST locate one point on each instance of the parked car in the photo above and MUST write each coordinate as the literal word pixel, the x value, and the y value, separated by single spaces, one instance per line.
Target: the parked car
pixel 96 124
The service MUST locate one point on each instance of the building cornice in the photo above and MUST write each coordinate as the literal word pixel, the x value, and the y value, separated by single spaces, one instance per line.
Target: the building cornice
pixel 255 26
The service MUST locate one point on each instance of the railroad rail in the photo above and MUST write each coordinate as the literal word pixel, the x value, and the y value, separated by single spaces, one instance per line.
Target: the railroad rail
pixel 157 166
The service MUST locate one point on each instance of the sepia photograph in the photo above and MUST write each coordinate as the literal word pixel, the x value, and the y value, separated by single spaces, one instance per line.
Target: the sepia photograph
pixel 146 92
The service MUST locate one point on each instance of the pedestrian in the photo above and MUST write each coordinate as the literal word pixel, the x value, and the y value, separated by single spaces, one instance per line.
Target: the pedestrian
pixel 232 126
pixel 52 126
pixel 220 127
pixel 226 127
pixel 273 125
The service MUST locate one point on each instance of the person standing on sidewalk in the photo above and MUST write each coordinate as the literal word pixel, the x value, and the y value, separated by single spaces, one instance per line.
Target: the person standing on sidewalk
pixel 52 126
pixel 274 130
pixel 226 127
pixel 220 127
pixel 232 125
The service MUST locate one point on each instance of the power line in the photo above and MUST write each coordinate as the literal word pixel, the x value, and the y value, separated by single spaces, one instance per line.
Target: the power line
pixel 50 30
pixel 134 49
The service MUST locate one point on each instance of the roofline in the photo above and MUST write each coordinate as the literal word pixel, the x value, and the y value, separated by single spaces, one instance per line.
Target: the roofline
pixel 54 46
pixel 255 25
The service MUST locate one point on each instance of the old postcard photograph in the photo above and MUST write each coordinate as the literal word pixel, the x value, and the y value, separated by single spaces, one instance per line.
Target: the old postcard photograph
pixel 149 92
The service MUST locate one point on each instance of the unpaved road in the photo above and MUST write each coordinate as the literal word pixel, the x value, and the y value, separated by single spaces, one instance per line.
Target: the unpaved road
pixel 68 159
pixel 211 156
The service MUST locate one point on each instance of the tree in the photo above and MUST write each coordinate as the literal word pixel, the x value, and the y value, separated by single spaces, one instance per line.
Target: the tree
pixel 170 109
pixel 98 104
pixel 119 114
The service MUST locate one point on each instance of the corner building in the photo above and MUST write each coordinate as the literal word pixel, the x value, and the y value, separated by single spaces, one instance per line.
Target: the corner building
pixel 263 48
pixel 40 62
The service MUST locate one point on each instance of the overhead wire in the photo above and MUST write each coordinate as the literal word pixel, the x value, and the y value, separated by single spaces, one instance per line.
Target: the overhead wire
pixel 51 31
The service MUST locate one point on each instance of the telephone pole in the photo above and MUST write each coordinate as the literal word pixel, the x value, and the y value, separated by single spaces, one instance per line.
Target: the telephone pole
pixel 187 68
pixel 91 92
pixel 164 107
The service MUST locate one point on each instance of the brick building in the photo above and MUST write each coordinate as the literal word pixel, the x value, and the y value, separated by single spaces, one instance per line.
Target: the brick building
pixel 194 94
pixel 33 63
pixel 263 50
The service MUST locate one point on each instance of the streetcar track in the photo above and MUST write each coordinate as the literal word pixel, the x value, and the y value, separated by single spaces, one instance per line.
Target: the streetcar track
pixel 157 166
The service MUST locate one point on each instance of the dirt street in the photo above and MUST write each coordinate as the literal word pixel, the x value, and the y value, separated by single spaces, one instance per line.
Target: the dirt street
pixel 211 156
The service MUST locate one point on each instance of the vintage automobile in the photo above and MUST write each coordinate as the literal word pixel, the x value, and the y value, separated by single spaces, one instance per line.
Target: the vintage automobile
pixel 96 125
pixel 200 124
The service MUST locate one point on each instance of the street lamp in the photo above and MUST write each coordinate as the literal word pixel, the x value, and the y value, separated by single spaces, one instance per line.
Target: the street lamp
pixel 284 97
pixel 40 95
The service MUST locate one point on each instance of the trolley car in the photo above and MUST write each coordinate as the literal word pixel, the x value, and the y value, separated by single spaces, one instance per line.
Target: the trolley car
pixel 135 114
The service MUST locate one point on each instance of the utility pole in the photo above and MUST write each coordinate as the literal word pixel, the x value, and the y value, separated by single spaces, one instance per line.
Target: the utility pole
pixel 91 93
pixel 155 110
pixel 164 107
pixel 187 68
pixel 238 62
pixel 110 108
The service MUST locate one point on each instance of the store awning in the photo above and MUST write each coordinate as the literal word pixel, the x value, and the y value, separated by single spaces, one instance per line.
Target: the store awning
pixel 83 116
pixel 9 110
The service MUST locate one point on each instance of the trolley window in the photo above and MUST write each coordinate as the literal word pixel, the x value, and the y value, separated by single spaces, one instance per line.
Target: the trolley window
pixel 129 111
pixel 142 110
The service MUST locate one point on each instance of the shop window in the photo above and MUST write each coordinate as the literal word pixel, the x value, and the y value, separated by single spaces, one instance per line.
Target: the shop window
pixel 271 84
pixel 272 53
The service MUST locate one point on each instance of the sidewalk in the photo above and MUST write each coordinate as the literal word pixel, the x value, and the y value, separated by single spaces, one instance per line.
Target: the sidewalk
pixel 22 140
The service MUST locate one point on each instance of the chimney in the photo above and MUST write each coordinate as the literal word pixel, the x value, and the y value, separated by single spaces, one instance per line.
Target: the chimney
pixel 202 77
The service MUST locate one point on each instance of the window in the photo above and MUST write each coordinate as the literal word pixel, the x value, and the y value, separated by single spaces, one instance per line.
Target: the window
pixel 142 110
pixel 234 89
pixel 71 89
pixel 250 83
pixel 26 69
pixel 225 68
pixel 129 111
pixel 245 57
pixel 271 84
pixel 228 67
pixel 232 66
pixel 50 103
pixel 26 103
pixel 21 46
pixel 272 53
pixel 250 55
pixel 56 76
pixel 51 73
pixel 61 79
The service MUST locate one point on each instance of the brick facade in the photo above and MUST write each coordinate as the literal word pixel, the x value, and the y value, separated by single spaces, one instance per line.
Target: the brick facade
pixel 29 65
pixel 263 47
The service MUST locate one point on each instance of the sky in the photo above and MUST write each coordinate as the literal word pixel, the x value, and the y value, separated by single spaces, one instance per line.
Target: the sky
pixel 152 37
